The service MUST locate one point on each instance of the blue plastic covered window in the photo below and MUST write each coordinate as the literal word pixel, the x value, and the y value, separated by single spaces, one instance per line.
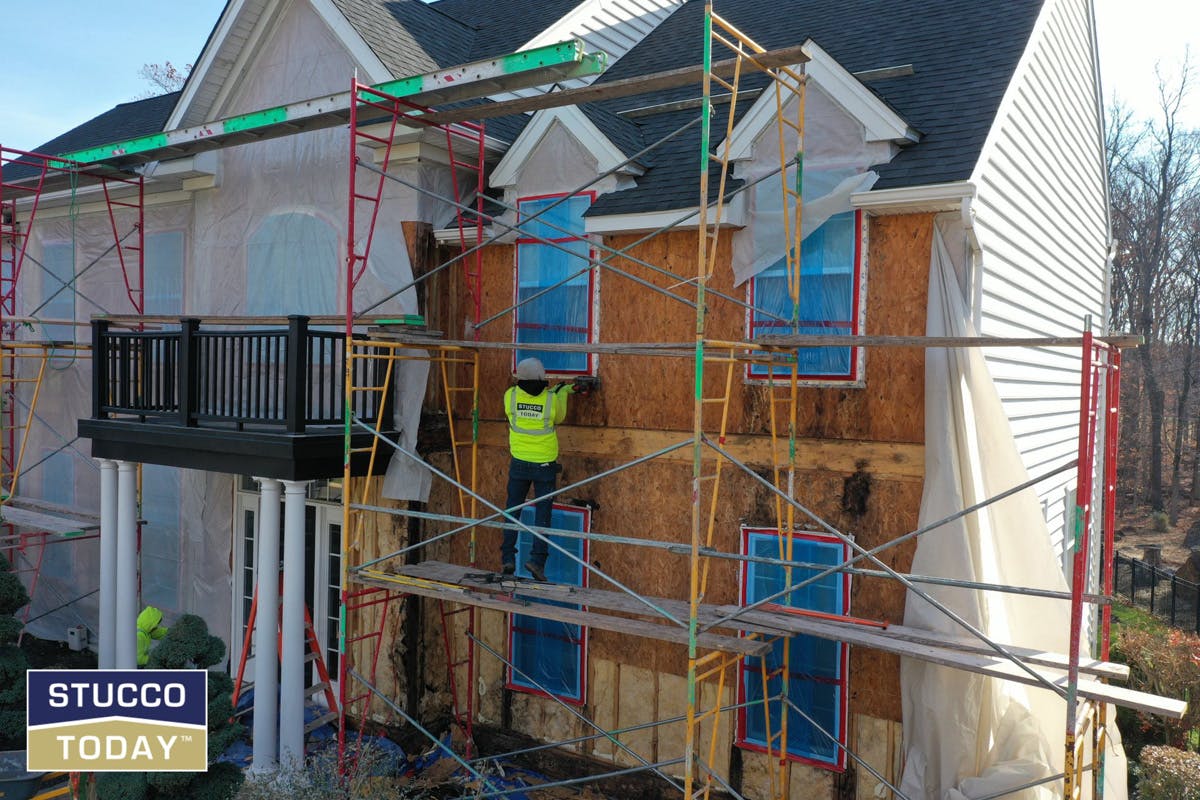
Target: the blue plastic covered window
pixel 829 300
pixel 547 653
pixel 553 275
pixel 816 667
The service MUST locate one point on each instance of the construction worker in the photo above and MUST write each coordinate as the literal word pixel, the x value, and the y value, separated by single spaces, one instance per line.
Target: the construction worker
pixel 149 628
pixel 534 410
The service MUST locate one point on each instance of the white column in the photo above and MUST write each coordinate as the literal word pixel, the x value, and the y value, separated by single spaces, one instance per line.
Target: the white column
pixel 291 676
pixel 266 630
pixel 108 564
pixel 126 578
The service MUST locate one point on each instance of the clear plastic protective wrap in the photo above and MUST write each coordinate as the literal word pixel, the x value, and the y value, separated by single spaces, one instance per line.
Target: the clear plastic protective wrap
pixel 268 238
pixel 837 163
pixel 966 735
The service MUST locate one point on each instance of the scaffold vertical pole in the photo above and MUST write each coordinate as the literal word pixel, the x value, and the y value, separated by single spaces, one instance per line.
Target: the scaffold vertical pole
pixel 689 754
pixel 1088 418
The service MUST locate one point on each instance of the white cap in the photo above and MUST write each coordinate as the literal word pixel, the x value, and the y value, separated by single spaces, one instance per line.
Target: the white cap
pixel 530 369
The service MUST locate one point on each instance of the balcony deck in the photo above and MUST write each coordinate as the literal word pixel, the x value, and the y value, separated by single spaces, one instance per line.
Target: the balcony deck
pixel 260 401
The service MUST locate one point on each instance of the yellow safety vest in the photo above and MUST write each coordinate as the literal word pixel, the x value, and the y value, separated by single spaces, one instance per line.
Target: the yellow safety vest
pixel 532 423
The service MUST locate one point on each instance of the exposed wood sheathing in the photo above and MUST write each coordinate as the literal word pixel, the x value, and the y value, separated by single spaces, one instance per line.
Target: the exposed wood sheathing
pixel 861 472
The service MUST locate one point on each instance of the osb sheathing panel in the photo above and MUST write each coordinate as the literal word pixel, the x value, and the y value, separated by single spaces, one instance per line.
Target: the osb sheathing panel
pixel 653 500
pixel 657 393
pixel 879 743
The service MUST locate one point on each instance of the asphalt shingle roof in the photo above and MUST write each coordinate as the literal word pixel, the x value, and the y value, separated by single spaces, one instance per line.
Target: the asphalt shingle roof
pixel 502 26
pixel 963 53
pixel 125 121
pixel 408 36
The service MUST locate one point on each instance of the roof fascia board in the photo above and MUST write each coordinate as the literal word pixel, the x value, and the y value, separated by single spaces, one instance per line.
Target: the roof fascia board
pixel 733 215
pixel 935 197
pixel 267 24
pixel 882 124
pixel 224 25
pixel 575 123
pixel 360 51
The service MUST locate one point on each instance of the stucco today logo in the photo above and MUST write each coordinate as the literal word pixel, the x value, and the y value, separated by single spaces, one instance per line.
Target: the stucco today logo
pixel 117 720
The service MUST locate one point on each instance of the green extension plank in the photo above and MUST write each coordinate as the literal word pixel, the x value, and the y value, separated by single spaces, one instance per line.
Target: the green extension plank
pixel 548 64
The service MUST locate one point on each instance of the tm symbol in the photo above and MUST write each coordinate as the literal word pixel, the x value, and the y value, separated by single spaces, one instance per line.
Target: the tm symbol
pixel 185 738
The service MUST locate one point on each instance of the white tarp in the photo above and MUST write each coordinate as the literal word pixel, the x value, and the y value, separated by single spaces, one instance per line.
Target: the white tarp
pixel 968 736
pixel 407 479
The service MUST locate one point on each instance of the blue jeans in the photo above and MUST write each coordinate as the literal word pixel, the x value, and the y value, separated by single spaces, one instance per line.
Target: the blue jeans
pixel 543 478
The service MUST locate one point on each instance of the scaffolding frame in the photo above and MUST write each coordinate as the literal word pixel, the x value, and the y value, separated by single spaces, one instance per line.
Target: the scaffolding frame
pixel 1100 366
pixel 706 441
pixel 20 200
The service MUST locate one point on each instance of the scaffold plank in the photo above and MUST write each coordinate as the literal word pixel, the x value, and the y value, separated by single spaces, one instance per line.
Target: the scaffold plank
pixel 611 90
pixel 949 654
pixel 775 343
pixel 451 582
pixel 47 518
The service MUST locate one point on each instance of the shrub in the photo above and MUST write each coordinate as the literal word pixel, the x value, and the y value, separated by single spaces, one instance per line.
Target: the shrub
pixel 1167 773
pixel 1162 523
pixel 13 662
pixel 1166 665
pixel 188 644
pixel 320 779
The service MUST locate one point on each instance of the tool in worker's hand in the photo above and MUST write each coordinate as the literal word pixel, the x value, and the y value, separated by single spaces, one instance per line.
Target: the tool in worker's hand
pixel 585 384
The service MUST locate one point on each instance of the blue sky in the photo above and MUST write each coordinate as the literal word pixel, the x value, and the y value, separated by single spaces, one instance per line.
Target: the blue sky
pixel 65 61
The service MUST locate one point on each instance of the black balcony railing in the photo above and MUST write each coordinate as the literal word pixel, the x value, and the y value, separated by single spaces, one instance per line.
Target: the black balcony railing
pixel 286 379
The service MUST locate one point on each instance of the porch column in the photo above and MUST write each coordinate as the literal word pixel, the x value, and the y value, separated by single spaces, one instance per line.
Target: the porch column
pixel 126 568
pixel 291 680
pixel 108 564
pixel 266 630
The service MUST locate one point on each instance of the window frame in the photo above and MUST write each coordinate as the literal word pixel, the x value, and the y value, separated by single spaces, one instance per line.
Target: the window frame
pixel 182 269
pixel 740 734
pixel 855 378
pixel 50 283
pixel 510 680
pixel 592 279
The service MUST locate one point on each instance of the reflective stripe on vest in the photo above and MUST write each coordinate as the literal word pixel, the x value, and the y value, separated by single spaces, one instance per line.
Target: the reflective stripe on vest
pixel 547 415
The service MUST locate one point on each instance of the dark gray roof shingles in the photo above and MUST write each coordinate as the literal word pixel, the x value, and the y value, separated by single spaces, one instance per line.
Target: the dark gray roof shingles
pixel 963 52
pixel 126 121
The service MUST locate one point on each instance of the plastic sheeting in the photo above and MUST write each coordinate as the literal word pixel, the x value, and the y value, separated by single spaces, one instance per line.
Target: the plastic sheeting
pixel 262 241
pixel 835 166
pixel 405 478
pixel 968 736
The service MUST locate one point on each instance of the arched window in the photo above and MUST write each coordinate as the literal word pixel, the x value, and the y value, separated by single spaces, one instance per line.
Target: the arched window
pixel 292 266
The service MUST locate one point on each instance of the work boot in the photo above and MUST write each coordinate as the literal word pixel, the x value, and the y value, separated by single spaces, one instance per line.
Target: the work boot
pixel 538 571
pixel 509 568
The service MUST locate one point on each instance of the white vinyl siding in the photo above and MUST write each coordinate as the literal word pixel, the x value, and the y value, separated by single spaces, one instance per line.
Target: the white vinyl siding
pixel 609 26
pixel 1042 223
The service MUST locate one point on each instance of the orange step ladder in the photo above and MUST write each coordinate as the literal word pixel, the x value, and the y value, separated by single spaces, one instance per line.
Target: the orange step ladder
pixel 315 655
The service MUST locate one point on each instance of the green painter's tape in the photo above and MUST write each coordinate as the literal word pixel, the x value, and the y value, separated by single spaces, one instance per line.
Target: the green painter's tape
pixel 138 145
pixel 255 119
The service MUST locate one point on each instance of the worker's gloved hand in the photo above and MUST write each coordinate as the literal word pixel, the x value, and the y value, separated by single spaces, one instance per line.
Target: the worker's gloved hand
pixel 585 385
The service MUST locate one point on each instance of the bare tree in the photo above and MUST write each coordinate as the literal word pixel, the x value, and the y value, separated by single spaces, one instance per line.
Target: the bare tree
pixel 164 77
pixel 1155 178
